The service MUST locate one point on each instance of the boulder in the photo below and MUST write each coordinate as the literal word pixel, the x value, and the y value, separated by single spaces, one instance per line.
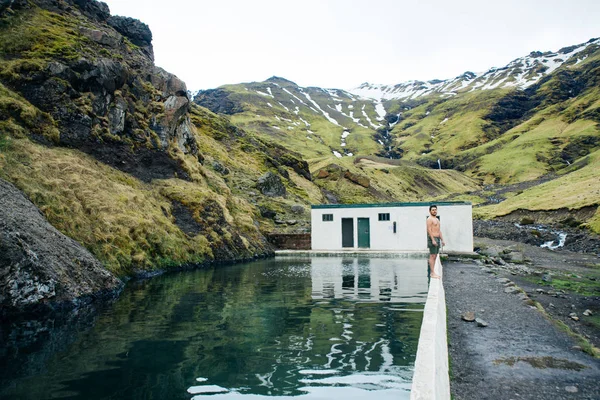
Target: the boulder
pixel 515 257
pixel 270 184
pixel 266 212
pixel 358 179
pixel 481 323
pixel 468 316
pixel 39 266
pixel 322 174
pixel 220 168
pixel 298 209
pixel 99 36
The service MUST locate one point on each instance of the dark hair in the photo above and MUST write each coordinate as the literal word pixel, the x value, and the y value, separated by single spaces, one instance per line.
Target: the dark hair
pixel 432 206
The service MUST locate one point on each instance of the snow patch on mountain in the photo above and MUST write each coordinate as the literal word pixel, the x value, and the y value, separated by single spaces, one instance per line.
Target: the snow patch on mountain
pixel 380 110
pixel 521 73
pixel 265 94
pixel 325 113
pixel 369 119
pixel 294 96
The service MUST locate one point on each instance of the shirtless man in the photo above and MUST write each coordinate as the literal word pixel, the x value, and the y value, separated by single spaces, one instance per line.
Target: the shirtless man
pixel 434 239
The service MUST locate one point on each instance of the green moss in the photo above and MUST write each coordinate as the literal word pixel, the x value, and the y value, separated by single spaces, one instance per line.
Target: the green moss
pixel 18 117
pixel 41 34
pixel 21 69
pixel 579 284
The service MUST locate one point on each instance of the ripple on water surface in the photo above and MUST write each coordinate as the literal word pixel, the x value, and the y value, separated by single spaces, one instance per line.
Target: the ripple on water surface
pixel 317 328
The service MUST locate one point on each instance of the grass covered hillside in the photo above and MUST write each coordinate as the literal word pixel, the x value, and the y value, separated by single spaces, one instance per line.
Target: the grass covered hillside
pixel 129 224
pixel 319 122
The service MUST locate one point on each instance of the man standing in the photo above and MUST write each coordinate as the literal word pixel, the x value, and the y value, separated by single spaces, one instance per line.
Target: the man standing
pixel 434 239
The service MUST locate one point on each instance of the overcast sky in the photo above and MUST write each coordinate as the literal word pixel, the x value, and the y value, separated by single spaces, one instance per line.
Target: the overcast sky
pixel 342 43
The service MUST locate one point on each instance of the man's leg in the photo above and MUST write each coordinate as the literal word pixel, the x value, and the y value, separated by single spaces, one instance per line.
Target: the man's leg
pixel 432 266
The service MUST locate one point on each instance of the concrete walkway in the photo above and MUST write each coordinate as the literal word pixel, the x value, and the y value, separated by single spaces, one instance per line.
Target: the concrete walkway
pixel 519 355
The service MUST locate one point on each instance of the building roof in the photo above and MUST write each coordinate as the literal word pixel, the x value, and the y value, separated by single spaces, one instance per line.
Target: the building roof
pixel 409 204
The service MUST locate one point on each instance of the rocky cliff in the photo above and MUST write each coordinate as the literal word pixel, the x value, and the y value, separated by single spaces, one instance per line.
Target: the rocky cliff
pixel 39 266
pixel 93 75
pixel 109 148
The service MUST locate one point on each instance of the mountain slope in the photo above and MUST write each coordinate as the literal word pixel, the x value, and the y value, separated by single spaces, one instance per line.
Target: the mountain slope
pixel 520 73
pixel 321 122
pixel 536 118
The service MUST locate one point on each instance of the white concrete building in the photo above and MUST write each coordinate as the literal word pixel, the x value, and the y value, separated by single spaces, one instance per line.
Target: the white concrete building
pixel 389 226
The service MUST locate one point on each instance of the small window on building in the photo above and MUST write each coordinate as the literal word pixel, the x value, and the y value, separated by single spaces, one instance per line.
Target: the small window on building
pixel 384 217
pixel 327 217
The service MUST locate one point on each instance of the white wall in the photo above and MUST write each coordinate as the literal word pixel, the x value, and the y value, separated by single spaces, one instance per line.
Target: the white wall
pixel 457 227
pixel 411 229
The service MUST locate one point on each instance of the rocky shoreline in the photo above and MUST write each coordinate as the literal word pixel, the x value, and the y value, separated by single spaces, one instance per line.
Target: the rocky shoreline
pixel 576 240
pixel 503 344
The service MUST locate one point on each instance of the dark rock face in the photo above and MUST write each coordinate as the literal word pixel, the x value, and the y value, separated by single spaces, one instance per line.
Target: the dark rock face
pixel 39 266
pixel 185 219
pixel 144 164
pixel 96 10
pixel 137 31
pixel 13 4
pixel 217 101
pixel 270 185
pixel 579 147
pixel 508 112
pixel 282 156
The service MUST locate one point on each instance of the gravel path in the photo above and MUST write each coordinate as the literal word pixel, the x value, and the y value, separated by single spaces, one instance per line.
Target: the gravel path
pixel 519 355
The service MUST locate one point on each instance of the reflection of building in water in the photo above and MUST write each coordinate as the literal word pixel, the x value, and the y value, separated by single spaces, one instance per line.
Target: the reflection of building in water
pixel 368 279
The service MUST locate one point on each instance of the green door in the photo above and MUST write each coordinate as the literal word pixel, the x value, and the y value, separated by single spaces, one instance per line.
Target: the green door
pixel 347 232
pixel 364 238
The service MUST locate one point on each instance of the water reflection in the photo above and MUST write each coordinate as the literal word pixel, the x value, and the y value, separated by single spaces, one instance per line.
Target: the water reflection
pixel 317 328
pixel 368 279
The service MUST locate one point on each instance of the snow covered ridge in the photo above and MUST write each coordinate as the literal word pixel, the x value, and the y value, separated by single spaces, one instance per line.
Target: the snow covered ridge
pixel 521 73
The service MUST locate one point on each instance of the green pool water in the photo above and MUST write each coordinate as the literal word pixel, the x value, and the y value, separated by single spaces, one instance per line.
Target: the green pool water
pixel 317 328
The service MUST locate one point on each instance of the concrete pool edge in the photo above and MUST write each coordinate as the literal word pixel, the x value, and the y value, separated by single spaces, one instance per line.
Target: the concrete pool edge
pixel 365 252
pixel 431 378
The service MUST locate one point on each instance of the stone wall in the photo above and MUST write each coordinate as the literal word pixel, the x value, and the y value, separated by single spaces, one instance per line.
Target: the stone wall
pixel 292 241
